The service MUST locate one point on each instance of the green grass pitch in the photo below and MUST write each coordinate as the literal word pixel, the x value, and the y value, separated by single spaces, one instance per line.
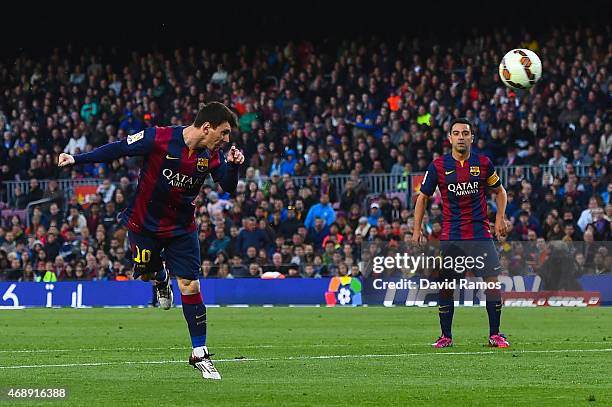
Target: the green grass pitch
pixel 309 356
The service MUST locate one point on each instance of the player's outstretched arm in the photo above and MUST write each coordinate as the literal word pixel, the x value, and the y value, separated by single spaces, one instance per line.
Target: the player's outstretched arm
pixel 419 213
pixel 135 144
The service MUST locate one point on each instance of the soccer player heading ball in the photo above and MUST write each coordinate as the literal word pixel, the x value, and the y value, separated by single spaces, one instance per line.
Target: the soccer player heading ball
pixel 160 219
pixel 463 177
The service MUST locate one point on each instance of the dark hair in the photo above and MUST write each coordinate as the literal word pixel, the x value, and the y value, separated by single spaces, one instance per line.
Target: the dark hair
pixel 461 120
pixel 215 113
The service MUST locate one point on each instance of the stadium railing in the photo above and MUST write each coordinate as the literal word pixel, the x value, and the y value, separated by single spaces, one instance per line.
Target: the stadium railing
pixel 376 183
pixel 524 171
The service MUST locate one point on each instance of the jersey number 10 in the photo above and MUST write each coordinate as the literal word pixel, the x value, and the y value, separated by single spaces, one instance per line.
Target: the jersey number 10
pixel 142 256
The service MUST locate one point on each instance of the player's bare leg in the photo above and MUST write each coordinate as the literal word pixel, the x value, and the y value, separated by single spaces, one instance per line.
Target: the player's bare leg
pixel 194 311
pixel 494 308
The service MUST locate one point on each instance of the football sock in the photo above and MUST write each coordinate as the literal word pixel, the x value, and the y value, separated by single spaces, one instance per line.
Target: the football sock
pixel 194 311
pixel 494 308
pixel 161 276
pixel 446 309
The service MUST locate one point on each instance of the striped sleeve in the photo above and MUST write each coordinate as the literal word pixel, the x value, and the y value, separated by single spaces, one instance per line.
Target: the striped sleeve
pixel 430 180
pixel 137 144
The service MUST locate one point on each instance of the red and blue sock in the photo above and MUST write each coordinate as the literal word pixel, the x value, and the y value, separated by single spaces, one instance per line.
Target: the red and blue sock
pixel 194 311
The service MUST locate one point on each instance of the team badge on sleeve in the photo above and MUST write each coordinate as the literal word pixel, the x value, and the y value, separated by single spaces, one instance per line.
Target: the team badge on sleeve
pixel 475 171
pixel 132 138
pixel 202 164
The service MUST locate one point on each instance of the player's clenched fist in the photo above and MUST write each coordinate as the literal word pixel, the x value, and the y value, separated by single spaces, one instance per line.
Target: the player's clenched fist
pixel 235 156
pixel 65 159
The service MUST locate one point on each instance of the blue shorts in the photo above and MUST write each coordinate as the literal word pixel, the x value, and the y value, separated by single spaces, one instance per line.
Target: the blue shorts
pixel 181 254
pixel 477 256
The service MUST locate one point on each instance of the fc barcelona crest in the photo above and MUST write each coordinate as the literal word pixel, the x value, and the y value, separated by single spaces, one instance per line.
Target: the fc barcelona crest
pixel 202 164
pixel 475 171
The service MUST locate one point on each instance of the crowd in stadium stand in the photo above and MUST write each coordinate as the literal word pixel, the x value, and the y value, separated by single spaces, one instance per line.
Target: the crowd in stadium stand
pixel 378 107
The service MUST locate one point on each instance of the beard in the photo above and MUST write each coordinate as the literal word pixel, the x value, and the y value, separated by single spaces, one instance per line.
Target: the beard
pixel 461 148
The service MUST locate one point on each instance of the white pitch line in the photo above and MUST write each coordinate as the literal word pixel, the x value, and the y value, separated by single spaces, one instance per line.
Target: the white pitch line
pixel 265 346
pixel 322 345
pixel 288 358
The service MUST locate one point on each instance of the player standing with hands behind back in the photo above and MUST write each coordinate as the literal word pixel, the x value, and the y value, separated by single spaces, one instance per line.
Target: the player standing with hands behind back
pixel 463 178
pixel 160 217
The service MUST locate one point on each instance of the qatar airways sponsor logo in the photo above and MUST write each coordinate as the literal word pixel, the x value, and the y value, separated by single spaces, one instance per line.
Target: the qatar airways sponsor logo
pixel 178 180
pixel 464 188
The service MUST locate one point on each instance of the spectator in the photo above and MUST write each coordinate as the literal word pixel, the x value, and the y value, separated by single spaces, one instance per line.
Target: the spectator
pixel 254 270
pixel 317 233
pixel 130 124
pixel 293 271
pixel 76 144
pixel 251 236
pixel 557 160
pixel 47 275
pixel 277 265
pixel 106 189
pixel 238 269
pixel 219 244
pixel 54 194
pixel 20 199
pixel 89 110
pixel 76 220
pixel 220 76
pixel 290 226
pixel 322 210
pixel 586 216
pixel 35 193
pixel 287 166
pixel 375 214
pixel 327 188
pixel 52 246
pixel 247 119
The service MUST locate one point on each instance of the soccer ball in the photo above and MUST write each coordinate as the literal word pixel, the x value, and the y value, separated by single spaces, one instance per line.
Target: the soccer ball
pixel 520 69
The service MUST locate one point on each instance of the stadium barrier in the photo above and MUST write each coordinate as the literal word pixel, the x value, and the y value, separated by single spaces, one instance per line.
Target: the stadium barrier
pixel 376 183
pixel 347 291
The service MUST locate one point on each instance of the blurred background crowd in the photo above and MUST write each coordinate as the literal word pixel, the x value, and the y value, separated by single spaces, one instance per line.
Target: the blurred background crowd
pixel 309 115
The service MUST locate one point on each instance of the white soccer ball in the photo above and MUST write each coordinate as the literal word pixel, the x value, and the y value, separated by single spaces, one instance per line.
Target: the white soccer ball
pixel 520 69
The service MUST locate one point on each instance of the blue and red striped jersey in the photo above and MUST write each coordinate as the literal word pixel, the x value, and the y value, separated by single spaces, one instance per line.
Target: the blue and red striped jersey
pixel 463 188
pixel 170 179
